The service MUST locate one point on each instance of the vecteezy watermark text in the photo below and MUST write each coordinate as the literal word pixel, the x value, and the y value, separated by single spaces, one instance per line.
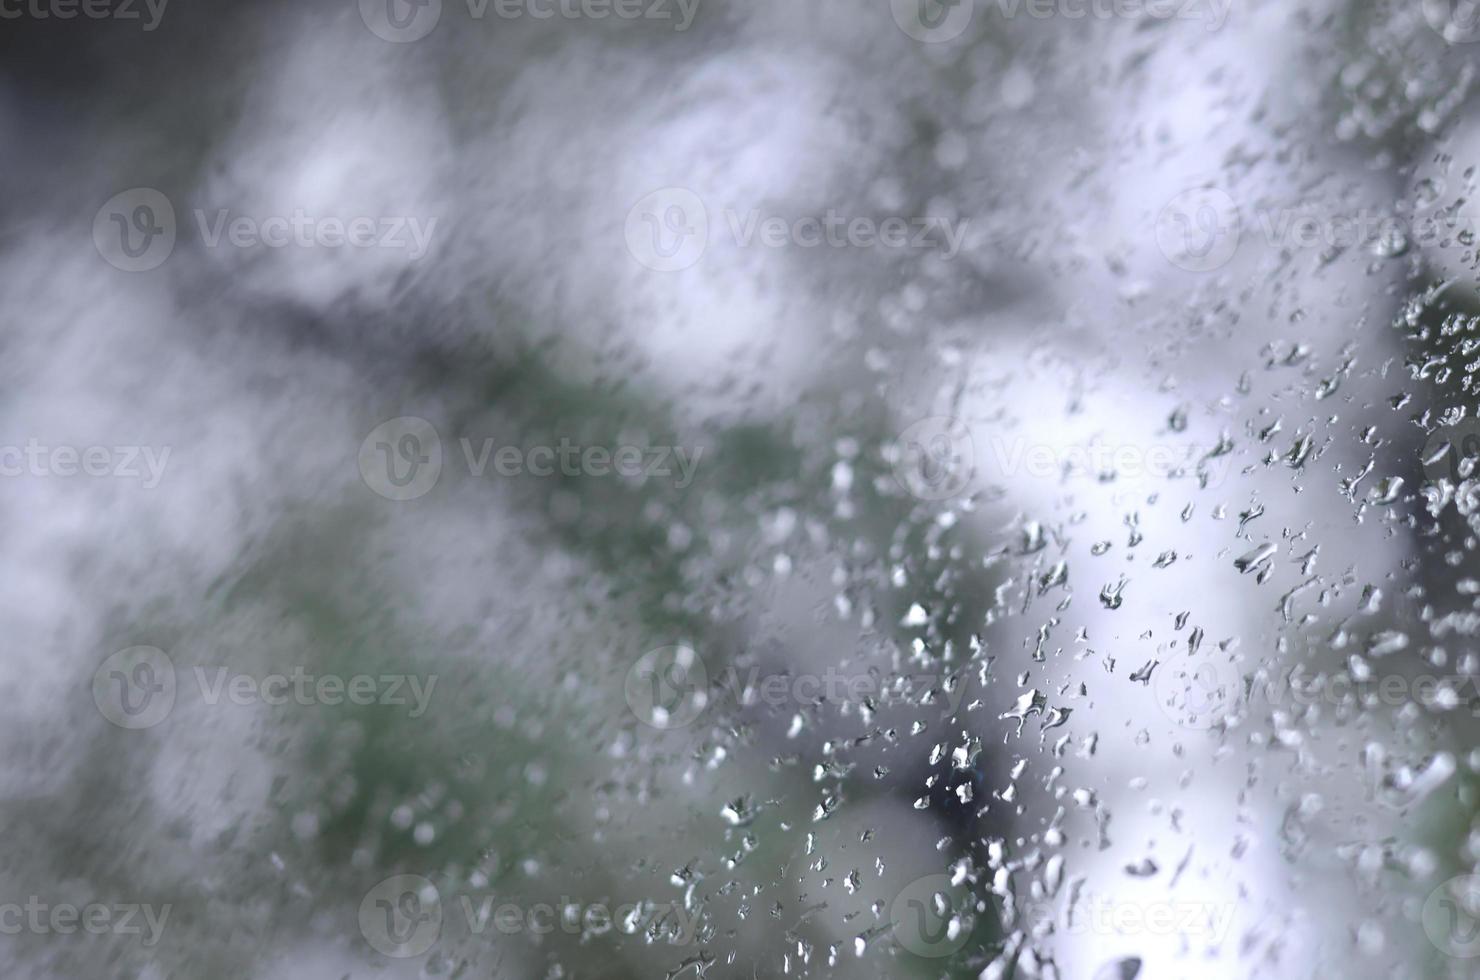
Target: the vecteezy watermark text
pixel 404 21
pixel 308 231
pixel 403 459
pixel 121 462
pixel 403 916
pixel 1199 692
pixel 939 457
pixel 136 230
pixel 670 230
pixel 94 918
pixel 670 687
pixel 935 916
pixel 151 12
pixel 138 687
pixel 1200 229
pixel 938 21
pixel 1099 914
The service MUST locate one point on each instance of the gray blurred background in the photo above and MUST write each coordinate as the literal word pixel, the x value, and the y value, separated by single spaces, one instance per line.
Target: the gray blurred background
pixel 1051 552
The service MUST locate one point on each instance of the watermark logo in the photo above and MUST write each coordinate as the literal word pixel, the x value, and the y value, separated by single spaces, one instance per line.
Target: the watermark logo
pixel 401 21
pixel 1196 693
pixel 933 21
pixel 1447 449
pixel 135 230
pixel 935 458
pixel 135 688
pixel 668 230
pixel 1199 229
pixel 932 917
pixel 1451 917
pixel 1457 21
pixel 401 459
pixel 668 687
pixel 401 917
pixel 151 11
